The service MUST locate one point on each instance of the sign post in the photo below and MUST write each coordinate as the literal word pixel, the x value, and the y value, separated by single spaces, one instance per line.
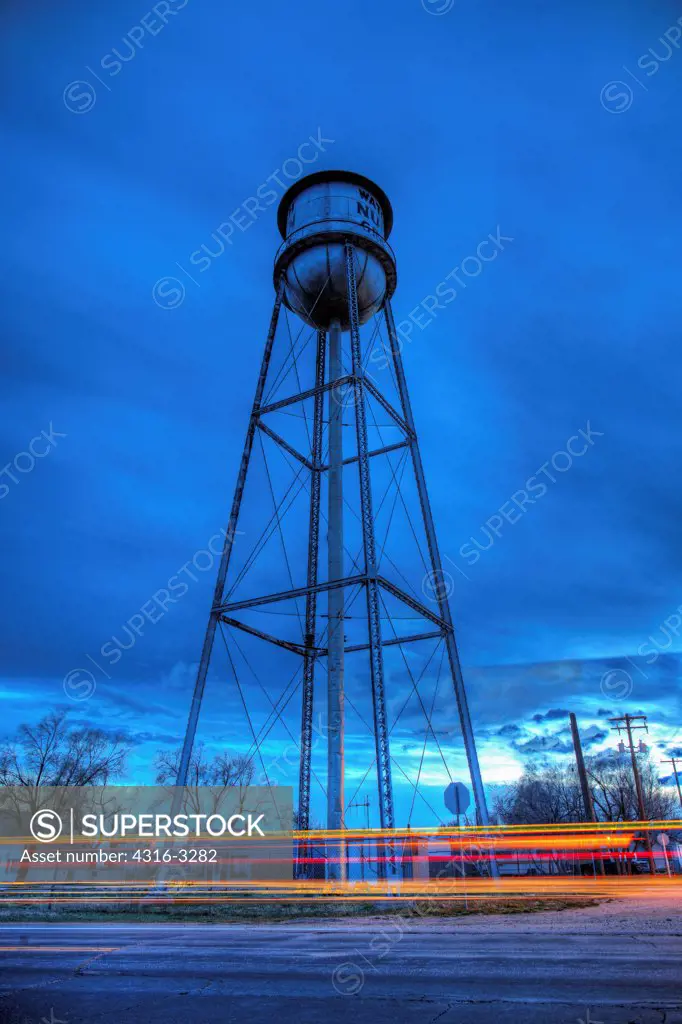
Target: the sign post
pixel 663 840
pixel 457 798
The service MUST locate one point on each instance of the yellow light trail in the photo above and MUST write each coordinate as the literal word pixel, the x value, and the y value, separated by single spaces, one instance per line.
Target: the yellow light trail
pixel 575 846
pixel 434 890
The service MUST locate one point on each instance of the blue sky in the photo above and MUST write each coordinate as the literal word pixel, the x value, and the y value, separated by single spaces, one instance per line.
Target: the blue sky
pixel 481 119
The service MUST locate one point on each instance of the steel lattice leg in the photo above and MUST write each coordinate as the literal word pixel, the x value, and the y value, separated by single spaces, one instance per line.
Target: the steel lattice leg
pixel 434 555
pixel 376 660
pixel 197 697
pixel 311 598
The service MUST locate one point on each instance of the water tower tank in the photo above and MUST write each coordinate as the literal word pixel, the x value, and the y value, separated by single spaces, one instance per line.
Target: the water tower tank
pixel 316 217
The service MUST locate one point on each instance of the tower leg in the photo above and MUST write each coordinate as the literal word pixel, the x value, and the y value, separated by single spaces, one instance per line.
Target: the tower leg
pixel 200 683
pixel 311 600
pixel 376 659
pixel 437 568
pixel 335 603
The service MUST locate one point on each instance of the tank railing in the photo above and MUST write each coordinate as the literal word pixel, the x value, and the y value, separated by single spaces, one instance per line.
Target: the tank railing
pixel 287 243
pixel 332 217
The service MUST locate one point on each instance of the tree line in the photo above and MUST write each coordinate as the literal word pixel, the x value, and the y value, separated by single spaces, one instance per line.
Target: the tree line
pixel 55 753
pixel 549 793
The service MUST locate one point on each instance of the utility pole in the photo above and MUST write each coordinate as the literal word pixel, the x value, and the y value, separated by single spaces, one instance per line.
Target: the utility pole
pixel 584 786
pixel 626 722
pixel 676 770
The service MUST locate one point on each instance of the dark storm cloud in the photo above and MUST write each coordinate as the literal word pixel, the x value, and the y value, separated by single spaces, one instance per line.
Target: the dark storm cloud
pixel 550 715
pixel 511 729
pixel 136 739
pixel 594 738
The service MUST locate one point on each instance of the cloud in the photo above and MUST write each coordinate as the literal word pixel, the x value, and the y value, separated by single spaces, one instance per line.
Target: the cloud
pixel 510 729
pixel 550 715
pixel 545 744
pixel 136 739
pixel 593 736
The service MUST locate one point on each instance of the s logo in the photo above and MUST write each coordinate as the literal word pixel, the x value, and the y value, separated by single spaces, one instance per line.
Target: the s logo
pixel 46 826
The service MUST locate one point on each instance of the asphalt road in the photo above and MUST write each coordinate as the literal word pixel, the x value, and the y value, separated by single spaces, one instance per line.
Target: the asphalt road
pixel 608 964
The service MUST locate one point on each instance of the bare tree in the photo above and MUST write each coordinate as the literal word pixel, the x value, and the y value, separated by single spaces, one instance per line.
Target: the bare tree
pixel 549 793
pixel 545 794
pixel 216 777
pixel 52 754
pixel 222 770
pixel 614 793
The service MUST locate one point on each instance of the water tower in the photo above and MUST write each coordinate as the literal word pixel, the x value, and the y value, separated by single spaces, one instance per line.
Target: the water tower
pixel 335 272
pixel 316 218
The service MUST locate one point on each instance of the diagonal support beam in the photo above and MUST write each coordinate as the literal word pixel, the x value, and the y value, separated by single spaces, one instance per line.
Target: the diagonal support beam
pixel 371 455
pixel 252 631
pixel 321 652
pixel 386 406
pixel 412 603
pixel 303 395
pixel 349 378
pixel 285 445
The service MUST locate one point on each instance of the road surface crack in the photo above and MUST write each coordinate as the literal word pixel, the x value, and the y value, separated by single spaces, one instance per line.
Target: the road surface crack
pixel 438 1016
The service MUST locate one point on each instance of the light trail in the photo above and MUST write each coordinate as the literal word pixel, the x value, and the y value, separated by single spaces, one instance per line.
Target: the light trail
pixel 441 865
pixel 450 890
